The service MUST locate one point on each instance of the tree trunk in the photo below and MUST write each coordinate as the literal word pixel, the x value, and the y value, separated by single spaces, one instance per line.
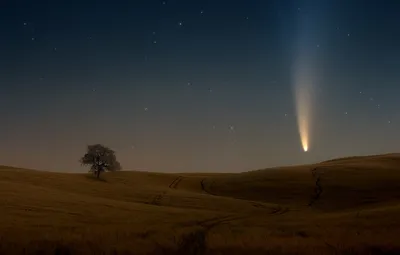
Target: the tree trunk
pixel 98 174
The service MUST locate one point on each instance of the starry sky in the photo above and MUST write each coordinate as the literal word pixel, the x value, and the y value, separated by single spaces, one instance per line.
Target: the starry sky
pixel 188 86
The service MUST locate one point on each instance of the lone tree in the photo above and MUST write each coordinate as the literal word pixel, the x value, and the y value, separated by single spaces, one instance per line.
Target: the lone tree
pixel 101 158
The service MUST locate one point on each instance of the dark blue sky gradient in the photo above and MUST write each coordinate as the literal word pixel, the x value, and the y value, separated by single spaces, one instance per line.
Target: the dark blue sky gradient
pixel 212 94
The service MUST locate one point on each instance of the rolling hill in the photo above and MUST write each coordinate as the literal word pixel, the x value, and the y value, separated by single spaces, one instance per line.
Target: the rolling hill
pixel 349 206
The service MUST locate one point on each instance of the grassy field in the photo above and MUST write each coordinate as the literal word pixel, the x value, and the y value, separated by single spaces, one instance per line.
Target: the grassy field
pixel 343 206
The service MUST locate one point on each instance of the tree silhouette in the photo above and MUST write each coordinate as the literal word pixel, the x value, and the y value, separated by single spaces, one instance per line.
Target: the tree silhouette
pixel 101 158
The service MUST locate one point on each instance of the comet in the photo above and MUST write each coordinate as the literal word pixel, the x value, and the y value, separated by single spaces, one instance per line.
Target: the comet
pixel 303 87
pixel 306 71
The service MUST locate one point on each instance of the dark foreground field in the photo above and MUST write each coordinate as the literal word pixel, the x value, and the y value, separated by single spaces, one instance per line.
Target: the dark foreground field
pixel 345 206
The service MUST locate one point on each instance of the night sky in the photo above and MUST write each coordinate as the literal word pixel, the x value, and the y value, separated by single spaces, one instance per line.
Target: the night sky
pixel 184 86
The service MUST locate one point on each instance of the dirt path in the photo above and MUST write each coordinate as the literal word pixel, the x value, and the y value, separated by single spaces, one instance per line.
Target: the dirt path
pixel 175 182
pixel 318 188
pixel 157 200
pixel 203 187
pixel 195 242
pixel 275 211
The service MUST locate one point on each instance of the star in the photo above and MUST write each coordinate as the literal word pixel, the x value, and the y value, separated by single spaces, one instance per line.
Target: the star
pixel 180 23
pixel 55 49
pixel 163 2
pixel 232 128
pixel 345 113
pixel 348 34
pixel 33 38
pixel 189 84
pixel 25 24
pixel 154 42
pixel 146 109
pixel 317 45
pixel 201 12
pixel 210 90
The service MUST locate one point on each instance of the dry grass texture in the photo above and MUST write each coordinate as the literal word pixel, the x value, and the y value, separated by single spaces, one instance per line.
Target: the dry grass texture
pixel 344 206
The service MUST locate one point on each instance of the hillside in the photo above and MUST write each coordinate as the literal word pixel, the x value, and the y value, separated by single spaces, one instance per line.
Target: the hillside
pixel 346 205
pixel 351 183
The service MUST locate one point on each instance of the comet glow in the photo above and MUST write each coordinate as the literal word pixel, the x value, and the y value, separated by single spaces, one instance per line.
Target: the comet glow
pixel 303 87
pixel 306 68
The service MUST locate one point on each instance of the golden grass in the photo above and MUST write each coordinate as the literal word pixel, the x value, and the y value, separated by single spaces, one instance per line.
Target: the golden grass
pixel 258 212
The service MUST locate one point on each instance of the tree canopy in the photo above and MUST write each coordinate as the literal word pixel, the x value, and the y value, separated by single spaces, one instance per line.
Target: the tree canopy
pixel 101 159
